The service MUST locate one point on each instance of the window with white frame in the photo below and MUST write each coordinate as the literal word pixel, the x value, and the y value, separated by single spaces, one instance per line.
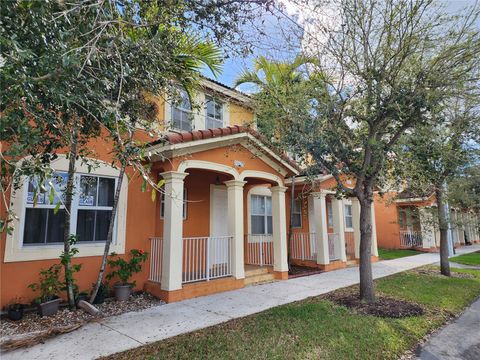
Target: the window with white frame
pixel 182 112
pixel 95 202
pixel 348 216
pixel 162 204
pixel 213 113
pixel 91 209
pixel 297 214
pixel 329 214
pixel 44 216
pixel 261 215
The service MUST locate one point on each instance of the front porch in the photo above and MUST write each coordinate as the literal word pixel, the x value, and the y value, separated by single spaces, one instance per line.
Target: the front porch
pixel 207 241
pixel 418 229
pixel 332 237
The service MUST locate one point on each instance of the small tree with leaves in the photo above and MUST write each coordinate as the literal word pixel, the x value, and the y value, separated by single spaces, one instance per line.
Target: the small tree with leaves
pixel 73 71
pixel 434 155
pixel 384 64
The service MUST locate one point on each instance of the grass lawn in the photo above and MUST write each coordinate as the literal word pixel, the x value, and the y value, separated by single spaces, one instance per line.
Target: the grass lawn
pixel 389 254
pixel 317 328
pixel 467 259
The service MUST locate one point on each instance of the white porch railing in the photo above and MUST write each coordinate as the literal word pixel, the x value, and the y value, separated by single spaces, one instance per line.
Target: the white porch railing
pixel 206 258
pixel 410 238
pixel 333 246
pixel 156 253
pixel 259 250
pixel 303 246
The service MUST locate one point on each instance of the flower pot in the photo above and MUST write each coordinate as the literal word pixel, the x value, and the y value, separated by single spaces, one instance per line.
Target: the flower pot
pixel 122 292
pixel 49 308
pixel 100 298
pixel 16 313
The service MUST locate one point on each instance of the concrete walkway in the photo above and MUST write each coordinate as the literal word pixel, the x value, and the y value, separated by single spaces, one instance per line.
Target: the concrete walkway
pixel 134 329
pixel 459 340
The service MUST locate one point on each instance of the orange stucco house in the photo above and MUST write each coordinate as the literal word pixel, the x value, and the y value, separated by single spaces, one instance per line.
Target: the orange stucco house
pixel 224 221
pixel 406 221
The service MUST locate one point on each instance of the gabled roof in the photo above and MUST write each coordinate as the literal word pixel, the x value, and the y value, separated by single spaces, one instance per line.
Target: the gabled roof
pixel 408 196
pixel 176 139
pixel 226 90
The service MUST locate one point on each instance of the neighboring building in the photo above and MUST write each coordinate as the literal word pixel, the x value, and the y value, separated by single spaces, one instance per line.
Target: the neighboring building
pixel 223 223
pixel 406 221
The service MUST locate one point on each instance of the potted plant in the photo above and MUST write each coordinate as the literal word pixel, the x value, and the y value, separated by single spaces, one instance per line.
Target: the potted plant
pixel 124 270
pixel 102 293
pixel 49 286
pixel 15 310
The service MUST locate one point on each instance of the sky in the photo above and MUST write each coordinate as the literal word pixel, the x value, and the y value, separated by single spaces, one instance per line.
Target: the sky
pixel 275 44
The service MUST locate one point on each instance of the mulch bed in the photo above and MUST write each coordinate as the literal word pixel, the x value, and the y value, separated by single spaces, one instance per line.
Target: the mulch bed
pixel 382 307
pixel 297 271
pixel 33 329
pixel 436 272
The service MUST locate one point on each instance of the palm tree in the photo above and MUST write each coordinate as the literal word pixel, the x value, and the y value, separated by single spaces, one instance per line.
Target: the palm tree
pixel 282 91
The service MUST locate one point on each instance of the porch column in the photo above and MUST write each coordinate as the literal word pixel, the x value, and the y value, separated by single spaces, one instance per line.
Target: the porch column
pixel 374 232
pixel 427 229
pixel 356 226
pixel 321 227
pixel 235 225
pixel 339 226
pixel 279 218
pixel 172 257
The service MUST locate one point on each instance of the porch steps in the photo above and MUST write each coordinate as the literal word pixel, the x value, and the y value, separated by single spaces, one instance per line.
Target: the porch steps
pixel 351 263
pixel 258 275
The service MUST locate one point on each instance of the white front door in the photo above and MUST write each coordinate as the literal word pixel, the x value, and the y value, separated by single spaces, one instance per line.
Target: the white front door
pixel 219 246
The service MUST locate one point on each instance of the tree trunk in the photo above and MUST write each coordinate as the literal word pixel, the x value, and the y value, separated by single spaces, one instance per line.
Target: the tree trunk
pixel 442 222
pixel 106 250
pixel 72 156
pixel 367 292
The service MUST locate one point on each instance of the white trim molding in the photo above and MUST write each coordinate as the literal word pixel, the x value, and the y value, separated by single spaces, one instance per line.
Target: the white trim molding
pixel 261 175
pixel 208 165
pixel 15 251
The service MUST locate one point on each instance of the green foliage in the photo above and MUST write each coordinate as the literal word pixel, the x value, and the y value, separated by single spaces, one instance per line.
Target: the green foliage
pixel 49 285
pixel 125 269
pixel 464 189
pixel 284 93
pixel 66 259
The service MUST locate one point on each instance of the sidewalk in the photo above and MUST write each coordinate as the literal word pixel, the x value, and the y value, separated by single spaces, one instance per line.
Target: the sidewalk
pixel 134 329
pixel 459 340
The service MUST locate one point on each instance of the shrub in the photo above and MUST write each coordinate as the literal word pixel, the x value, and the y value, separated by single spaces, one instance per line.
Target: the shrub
pixel 125 269
pixel 49 285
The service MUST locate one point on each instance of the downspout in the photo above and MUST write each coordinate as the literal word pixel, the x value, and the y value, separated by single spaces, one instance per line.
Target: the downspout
pixel 290 227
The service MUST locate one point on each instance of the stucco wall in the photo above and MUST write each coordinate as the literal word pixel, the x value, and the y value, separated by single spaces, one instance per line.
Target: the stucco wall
pixel 386 218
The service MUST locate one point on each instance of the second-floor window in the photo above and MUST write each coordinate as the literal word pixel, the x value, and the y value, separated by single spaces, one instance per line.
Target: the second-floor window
pixel 213 113
pixel 182 112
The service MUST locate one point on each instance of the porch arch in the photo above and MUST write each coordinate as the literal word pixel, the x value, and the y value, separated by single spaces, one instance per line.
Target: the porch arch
pixel 261 175
pixel 208 165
